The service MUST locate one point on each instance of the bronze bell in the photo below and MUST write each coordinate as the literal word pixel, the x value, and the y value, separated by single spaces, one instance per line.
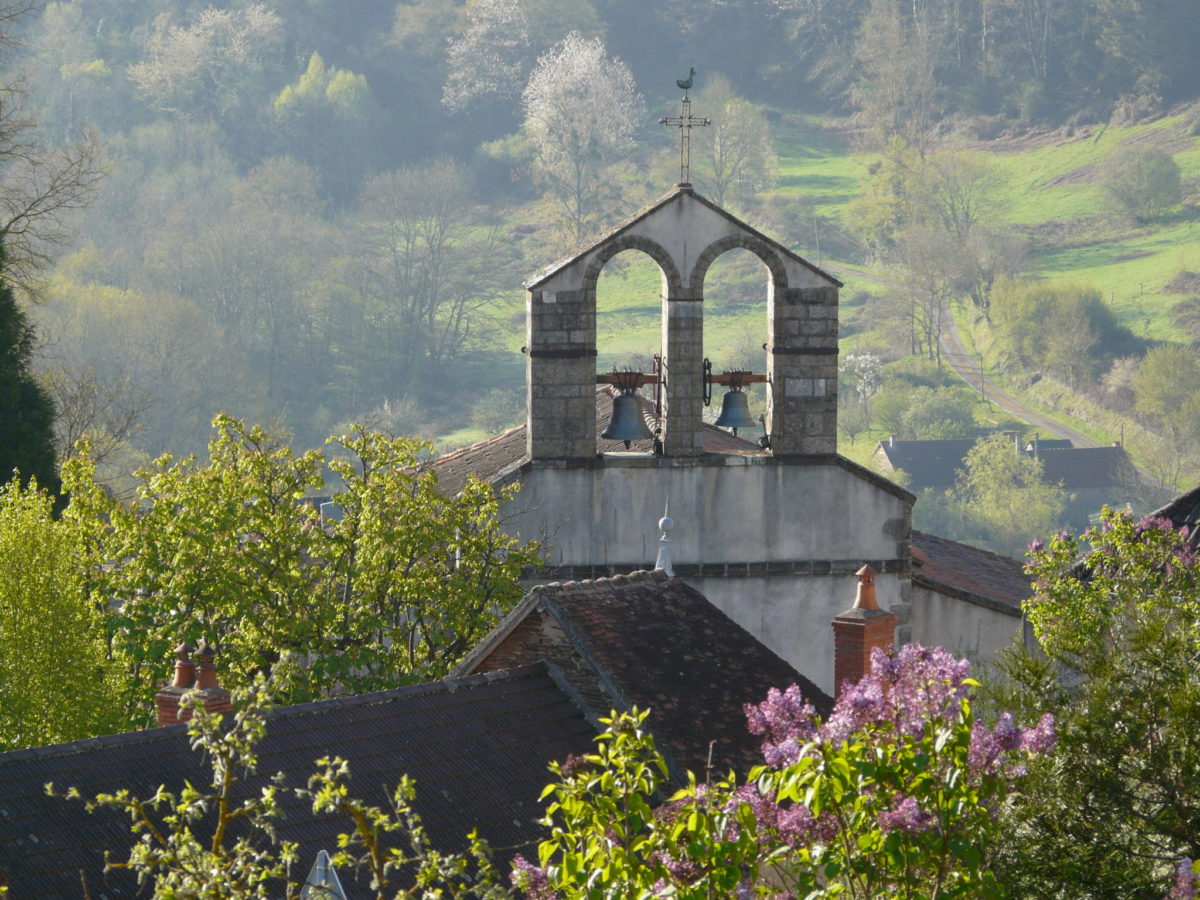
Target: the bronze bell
pixel 627 423
pixel 735 411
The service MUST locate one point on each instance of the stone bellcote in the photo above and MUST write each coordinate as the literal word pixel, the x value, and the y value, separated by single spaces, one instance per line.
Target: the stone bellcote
pixel 684 234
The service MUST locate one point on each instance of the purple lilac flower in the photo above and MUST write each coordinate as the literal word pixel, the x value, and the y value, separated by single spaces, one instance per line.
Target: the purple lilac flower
pixel 1036 545
pixel 1184 887
pixel 682 871
pixel 1007 734
pixel 906 816
pixel 532 880
pixel 1040 738
pixel 786 721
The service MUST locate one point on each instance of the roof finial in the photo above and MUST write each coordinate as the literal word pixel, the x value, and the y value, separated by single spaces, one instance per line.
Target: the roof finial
pixel 665 524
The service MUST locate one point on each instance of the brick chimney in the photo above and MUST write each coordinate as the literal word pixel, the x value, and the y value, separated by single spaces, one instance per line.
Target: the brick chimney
pixel 199 676
pixel 858 631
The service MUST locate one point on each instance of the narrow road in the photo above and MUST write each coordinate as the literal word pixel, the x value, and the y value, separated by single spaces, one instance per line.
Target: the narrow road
pixel 954 355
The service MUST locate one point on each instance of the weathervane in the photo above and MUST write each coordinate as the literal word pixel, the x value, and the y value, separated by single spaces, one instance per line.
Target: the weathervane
pixel 685 122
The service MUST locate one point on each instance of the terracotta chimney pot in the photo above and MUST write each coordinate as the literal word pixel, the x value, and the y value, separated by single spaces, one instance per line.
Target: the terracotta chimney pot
pixel 865 598
pixel 206 671
pixel 858 631
pixel 185 669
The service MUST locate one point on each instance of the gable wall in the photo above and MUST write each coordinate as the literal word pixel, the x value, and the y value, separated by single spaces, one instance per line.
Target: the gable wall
pixel 772 543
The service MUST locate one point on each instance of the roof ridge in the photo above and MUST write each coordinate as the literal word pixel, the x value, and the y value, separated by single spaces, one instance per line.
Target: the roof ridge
pixel 445 685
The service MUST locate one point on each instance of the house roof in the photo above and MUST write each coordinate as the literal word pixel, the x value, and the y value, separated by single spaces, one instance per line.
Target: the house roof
pixel 654 642
pixel 935 464
pixel 1077 468
pixel 477 747
pixel 1184 512
pixel 490 460
pixel 929 463
pixel 968 572
pixel 672 196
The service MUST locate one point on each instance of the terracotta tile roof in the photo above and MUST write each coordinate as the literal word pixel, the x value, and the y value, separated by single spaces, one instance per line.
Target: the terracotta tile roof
pixel 654 642
pixel 478 748
pixel 493 458
pixel 945 564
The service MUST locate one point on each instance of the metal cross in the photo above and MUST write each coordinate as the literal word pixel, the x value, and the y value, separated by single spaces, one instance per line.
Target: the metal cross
pixel 685 122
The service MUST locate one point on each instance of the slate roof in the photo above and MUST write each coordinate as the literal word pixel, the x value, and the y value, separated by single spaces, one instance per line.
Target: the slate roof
pixel 935 464
pixel 1078 468
pixel 962 570
pixel 1184 512
pixel 932 464
pixel 478 748
pixel 654 642
pixel 490 460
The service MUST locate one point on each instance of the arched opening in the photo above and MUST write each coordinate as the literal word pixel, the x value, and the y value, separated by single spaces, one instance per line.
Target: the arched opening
pixel 736 287
pixel 629 285
pixel 629 293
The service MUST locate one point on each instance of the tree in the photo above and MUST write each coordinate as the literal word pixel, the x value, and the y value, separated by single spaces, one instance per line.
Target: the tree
pixel 897 93
pixel 395 591
pixel 735 154
pixel 1142 180
pixel 939 414
pixel 27 440
pixel 1165 389
pixel 581 110
pixel 218 66
pixel 429 267
pixel 1116 805
pixel 56 682
pixel 895 795
pixel 1004 498
pixel 488 62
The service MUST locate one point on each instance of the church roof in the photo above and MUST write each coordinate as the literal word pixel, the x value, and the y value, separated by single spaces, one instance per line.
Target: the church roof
pixel 491 459
pixel 477 747
pixel 963 571
pixel 654 642
pixel 671 197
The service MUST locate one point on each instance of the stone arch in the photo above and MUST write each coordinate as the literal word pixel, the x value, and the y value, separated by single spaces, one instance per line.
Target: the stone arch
pixel 672 282
pixel 760 248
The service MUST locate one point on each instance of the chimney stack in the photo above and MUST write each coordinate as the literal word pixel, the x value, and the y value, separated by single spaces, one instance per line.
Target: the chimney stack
pixel 858 631
pixel 198 676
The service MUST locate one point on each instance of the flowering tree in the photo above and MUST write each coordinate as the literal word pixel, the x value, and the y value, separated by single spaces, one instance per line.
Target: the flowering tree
pixel 1117 614
pixel 581 110
pixel 895 795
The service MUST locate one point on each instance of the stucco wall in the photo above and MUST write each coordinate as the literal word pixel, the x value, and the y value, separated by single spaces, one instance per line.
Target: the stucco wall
pixel 969 627
pixel 773 543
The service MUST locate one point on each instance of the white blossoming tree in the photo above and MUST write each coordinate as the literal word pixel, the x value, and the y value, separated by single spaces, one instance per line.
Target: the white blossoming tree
pixel 581 110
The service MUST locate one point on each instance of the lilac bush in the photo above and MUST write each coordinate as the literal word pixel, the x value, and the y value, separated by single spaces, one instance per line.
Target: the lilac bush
pixel 895 794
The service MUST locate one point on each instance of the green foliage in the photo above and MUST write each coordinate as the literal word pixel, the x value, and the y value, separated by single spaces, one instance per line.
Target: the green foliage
pixel 27 438
pixel 56 682
pixel 1142 180
pixel 938 414
pixel 1065 328
pixel 394 592
pixel 1166 388
pixel 1003 498
pixel 1116 805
